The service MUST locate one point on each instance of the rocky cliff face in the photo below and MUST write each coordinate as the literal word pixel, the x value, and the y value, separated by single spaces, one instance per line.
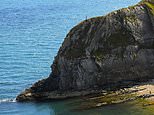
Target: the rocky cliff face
pixel 99 52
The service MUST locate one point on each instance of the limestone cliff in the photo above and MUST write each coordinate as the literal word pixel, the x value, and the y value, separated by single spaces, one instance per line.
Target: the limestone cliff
pixel 101 52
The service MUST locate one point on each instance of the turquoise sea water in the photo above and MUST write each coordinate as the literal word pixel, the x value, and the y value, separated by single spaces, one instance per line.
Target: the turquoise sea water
pixel 31 32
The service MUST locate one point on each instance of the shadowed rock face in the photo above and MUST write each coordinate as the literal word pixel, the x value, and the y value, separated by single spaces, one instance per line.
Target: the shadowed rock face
pixel 102 51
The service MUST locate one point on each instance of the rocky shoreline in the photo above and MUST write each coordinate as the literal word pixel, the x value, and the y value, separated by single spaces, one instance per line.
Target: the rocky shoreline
pixel 142 92
pixel 103 53
pixel 89 99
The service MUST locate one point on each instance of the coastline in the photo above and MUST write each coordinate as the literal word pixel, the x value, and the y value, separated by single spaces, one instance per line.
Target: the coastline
pixel 85 72
pixel 143 92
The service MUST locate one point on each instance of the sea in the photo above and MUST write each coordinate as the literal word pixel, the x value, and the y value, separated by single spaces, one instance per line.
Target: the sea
pixel 31 32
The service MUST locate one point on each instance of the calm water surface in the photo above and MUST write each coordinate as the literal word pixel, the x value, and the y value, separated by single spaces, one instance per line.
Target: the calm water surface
pixel 31 32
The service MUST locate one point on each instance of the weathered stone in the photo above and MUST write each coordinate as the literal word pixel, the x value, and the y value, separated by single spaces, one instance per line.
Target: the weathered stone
pixel 103 51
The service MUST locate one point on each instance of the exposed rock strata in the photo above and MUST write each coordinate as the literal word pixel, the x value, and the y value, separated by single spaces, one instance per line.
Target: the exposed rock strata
pixel 101 52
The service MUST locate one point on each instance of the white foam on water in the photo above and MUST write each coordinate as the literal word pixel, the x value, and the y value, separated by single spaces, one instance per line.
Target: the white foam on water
pixel 7 100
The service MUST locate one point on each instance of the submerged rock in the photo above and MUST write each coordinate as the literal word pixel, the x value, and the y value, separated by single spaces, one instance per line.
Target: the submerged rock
pixel 101 52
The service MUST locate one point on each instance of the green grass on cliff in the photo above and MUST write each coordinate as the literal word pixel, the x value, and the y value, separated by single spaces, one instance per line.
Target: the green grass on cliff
pixel 150 6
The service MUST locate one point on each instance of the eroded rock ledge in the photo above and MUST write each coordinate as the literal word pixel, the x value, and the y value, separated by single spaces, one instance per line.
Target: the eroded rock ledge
pixel 99 53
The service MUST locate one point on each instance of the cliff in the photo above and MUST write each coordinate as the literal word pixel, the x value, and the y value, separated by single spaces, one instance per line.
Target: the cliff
pixel 99 53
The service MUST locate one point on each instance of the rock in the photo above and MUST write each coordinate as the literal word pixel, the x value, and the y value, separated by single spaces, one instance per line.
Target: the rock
pixel 135 94
pixel 102 52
